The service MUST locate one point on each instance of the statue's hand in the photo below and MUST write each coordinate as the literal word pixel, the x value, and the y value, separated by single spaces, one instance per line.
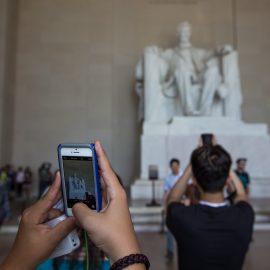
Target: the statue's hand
pixel 152 50
pixel 167 84
pixel 224 49
pixel 222 91
pixel 139 86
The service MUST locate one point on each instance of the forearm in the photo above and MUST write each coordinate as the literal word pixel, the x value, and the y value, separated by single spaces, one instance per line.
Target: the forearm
pixel 180 187
pixel 12 263
pixel 240 191
pixel 165 197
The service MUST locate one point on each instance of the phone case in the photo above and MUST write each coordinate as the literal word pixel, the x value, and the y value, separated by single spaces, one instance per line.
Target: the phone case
pixel 97 178
pixel 95 168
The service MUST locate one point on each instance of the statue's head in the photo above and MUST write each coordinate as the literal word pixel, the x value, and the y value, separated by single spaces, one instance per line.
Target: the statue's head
pixel 184 32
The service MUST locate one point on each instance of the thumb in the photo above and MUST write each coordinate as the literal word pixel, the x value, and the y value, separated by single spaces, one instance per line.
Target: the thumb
pixel 61 230
pixel 84 215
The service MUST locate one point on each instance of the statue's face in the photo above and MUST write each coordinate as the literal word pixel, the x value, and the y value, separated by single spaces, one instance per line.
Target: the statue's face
pixel 184 34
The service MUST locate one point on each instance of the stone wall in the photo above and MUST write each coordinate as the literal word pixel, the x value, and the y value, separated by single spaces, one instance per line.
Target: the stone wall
pixel 8 43
pixel 75 68
pixel 2 65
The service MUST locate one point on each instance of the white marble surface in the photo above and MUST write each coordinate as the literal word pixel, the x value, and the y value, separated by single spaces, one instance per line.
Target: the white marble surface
pixel 158 150
pixel 255 148
pixel 198 125
pixel 142 189
pixel 160 143
pixel 154 152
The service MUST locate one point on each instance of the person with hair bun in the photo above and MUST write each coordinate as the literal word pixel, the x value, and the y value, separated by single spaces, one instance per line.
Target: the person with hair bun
pixel 210 235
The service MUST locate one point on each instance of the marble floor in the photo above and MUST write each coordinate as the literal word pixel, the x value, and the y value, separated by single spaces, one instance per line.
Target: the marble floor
pixel 153 245
pixel 257 258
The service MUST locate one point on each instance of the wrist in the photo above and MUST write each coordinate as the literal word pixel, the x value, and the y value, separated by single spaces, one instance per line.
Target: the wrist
pixel 123 249
pixel 132 261
pixel 121 253
pixel 15 261
pixel 189 170
pixel 14 264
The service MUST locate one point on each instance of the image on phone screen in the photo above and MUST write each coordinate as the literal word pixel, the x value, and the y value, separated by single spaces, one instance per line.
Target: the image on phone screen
pixel 79 180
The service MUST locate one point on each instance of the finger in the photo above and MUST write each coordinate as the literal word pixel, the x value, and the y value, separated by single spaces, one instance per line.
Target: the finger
pixel 111 182
pixel 54 213
pixel 104 194
pixel 82 214
pixel 200 143
pixel 40 214
pixel 103 161
pixel 53 194
pixel 62 229
pixel 214 140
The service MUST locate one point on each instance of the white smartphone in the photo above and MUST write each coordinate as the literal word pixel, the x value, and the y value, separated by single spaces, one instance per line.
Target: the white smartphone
pixel 68 244
pixel 80 177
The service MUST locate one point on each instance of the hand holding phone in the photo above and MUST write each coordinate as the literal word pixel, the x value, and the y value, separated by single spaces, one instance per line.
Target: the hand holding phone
pixel 80 177
pixel 35 241
pixel 112 231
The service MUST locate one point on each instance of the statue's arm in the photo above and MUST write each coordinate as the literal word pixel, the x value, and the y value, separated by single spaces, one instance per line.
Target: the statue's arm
pixel 139 76
pixel 169 83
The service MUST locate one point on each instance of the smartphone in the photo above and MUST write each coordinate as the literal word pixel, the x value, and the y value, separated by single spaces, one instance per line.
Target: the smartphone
pixel 80 177
pixel 207 139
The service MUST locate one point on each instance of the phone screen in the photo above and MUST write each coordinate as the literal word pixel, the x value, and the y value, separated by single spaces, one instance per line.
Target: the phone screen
pixel 79 180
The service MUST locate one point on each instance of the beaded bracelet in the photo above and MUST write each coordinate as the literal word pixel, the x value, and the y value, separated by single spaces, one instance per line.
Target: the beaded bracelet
pixel 129 260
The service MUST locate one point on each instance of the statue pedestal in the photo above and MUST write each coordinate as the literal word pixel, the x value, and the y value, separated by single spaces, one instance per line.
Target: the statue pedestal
pixel 161 142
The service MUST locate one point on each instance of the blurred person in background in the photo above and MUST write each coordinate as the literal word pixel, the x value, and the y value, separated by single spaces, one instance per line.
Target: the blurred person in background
pixel 242 174
pixel 27 184
pixel 20 178
pixel 12 181
pixel 9 180
pixel 4 201
pixel 3 176
pixel 45 177
pixel 170 181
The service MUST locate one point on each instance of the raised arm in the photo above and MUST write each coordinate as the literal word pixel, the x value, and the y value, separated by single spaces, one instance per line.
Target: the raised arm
pixel 180 187
pixel 240 191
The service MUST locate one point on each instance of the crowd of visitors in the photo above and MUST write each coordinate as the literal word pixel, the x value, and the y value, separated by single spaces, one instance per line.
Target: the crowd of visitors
pixel 16 186
pixel 16 182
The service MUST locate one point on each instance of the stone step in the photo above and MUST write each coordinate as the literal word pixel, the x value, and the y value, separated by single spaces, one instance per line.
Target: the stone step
pixel 157 219
pixel 151 218
pixel 142 189
pixel 262 218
